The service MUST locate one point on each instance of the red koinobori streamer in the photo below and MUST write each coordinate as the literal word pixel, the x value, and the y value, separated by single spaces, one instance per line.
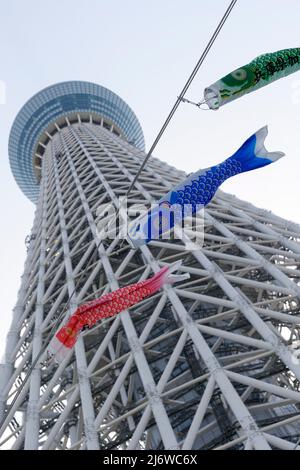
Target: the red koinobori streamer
pixel 109 305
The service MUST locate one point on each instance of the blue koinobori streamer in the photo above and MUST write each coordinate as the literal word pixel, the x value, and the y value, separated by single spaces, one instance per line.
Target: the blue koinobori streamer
pixel 198 190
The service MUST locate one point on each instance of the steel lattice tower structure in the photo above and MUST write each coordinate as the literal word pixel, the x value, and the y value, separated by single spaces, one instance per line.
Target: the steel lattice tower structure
pixel 206 364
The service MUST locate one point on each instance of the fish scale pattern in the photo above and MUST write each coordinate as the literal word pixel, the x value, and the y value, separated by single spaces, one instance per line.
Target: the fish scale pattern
pixel 266 65
pixel 202 189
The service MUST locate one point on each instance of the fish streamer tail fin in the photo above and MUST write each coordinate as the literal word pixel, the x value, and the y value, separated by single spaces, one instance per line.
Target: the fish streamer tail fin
pixel 253 153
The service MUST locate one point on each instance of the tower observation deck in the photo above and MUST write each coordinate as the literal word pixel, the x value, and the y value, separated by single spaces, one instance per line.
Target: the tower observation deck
pixel 56 107
pixel 210 363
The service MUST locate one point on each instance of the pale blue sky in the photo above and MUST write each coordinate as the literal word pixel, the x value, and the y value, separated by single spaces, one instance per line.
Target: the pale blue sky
pixel 144 51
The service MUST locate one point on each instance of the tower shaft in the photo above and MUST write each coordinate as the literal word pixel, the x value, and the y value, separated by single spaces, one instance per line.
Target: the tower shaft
pixel 207 364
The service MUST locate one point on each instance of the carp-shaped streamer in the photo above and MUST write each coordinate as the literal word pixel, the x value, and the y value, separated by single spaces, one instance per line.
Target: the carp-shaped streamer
pixel 263 70
pixel 197 191
pixel 109 305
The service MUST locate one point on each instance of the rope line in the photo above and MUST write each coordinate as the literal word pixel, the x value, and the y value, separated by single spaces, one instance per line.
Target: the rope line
pixel 179 99
pixel 183 91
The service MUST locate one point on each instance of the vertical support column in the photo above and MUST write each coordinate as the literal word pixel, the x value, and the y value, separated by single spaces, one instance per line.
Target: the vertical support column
pixel 7 368
pixel 32 413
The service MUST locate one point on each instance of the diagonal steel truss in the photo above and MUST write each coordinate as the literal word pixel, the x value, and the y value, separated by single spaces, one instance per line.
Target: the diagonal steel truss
pixel 210 363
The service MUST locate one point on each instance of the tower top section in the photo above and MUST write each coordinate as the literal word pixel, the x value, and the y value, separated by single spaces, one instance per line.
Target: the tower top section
pixel 57 106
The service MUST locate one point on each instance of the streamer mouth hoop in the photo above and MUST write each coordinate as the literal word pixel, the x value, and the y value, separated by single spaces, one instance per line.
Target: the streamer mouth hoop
pixel 211 98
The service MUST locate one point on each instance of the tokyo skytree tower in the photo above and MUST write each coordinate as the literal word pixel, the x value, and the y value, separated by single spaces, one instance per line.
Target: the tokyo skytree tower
pixel 208 363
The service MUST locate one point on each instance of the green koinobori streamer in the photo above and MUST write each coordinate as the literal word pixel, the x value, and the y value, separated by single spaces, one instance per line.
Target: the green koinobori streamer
pixel 264 69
